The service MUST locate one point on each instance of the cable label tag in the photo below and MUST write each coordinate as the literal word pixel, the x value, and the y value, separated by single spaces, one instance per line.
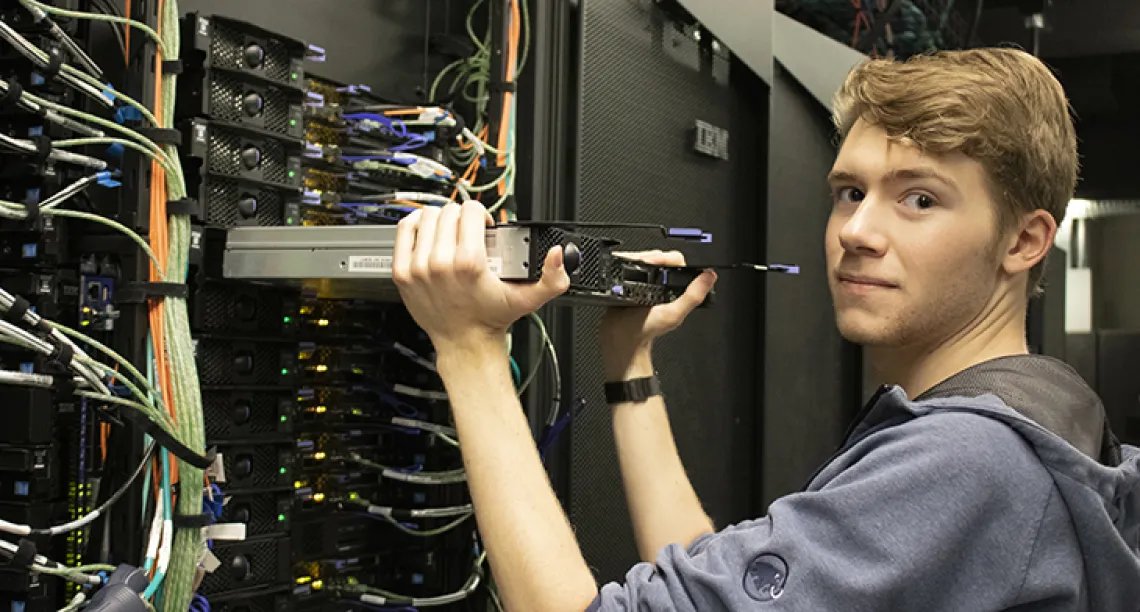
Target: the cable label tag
pixel 217 469
pixel 234 532
pixel 370 263
pixel 208 561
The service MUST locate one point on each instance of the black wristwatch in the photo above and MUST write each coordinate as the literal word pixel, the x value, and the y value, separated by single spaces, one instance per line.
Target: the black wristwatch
pixel 635 390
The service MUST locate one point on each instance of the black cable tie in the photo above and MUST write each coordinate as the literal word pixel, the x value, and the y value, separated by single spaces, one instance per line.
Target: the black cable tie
pixel 162 136
pixel 43 149
pixel 172 67
pixel 11 98
pixel 137 293
pixel 55 62
pixel 44 326
pixel 63 385
pixel 20 307
pixel 503 87
pixel 63 355
pixel 169 442
pixel 33 213
pixel 193 521
pixel 185 206
pixel 24 556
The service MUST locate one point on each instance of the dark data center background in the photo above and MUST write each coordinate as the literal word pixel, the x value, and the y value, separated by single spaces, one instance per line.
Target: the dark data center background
pixel 618 151
pixel 643 85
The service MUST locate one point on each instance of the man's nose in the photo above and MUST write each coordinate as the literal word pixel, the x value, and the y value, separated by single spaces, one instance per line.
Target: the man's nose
pixel 864 232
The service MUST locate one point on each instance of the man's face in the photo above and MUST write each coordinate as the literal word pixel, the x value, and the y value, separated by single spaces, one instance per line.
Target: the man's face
pixel 910 242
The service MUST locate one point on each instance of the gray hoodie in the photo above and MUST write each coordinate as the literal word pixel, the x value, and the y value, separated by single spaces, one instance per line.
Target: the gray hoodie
pixel 944 504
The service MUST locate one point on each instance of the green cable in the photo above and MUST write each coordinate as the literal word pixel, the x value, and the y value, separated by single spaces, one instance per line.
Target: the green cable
pixel 99 17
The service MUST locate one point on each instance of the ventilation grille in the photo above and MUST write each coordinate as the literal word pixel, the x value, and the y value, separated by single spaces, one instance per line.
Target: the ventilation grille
pixel 226 156
pixel 222 307
pixel 227 49
pixel 262 513
pixel 238 415
pixel 227 199
pixel 227 103
pixel 259 466
pixel 591 274
pixel 222 362
pixel 245 565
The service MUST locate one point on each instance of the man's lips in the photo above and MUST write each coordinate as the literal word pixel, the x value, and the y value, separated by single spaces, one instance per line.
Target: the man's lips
pixel 866 281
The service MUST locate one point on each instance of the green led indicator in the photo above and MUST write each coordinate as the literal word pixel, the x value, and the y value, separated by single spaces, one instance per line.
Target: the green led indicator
pixel 289 221
pixel 284 418
pixel 288 319
pixel 282 470
pixel 292 122
pixel 280 517
pixel 284 371
pixel 294 75
pixel 292 174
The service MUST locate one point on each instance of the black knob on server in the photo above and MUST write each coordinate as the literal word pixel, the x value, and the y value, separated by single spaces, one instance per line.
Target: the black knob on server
pixel 243 363
pixel 247 206
pixel 251 157
pixel 252 103
pixel 571 257
pixel 241 514
pixel 243 467
pixel 245 308
pixel 242 412
pixel 241 568
pixel 254 55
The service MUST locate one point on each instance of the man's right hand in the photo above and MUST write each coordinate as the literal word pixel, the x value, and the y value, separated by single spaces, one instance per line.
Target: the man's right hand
pixel 628 333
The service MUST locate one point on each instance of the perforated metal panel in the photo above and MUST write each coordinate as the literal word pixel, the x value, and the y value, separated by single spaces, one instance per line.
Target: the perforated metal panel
pixel 224 205
pixel 227 49
pixel 233 100
pixel 644 86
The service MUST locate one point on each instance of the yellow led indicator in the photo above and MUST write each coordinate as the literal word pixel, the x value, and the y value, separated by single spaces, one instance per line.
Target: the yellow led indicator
pixel 318 585
pixel 319 456
pixel 304 579
pixel 323 322
pixel 319 497
pixel 297 484
pixel 322 368
pixel 321 409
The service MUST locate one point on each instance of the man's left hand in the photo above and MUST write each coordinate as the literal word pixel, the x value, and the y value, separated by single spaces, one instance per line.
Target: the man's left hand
pixel 440 268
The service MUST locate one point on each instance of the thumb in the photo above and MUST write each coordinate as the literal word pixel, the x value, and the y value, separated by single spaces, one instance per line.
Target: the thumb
pixel 694 296
pixel 554 282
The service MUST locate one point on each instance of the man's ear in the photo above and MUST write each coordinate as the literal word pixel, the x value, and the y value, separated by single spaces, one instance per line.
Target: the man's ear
pixel 1031 243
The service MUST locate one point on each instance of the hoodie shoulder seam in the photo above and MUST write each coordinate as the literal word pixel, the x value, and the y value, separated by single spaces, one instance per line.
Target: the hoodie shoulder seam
pixel 1036 542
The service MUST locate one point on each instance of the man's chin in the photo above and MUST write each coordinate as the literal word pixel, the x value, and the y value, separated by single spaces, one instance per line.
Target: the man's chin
pixel 860 331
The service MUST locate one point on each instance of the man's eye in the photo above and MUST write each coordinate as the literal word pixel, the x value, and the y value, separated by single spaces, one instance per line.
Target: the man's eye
pixel 849 194
pixel 920 201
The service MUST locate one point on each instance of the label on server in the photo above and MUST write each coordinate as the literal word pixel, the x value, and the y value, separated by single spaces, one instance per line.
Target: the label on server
pixel 370 263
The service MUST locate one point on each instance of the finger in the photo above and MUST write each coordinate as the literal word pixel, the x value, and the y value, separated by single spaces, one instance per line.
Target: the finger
pixel 405 244
pixel 554 283
pixel 471 254
pixel 425 241
pixel 486 213
pixel 694 295
pixel 657 258
pixel 446 236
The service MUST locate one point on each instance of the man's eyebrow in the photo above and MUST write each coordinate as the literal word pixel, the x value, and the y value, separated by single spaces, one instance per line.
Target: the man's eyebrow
pixel 898 174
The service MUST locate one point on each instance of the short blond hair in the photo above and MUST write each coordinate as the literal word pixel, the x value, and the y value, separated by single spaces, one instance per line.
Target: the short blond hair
pixel 1001 107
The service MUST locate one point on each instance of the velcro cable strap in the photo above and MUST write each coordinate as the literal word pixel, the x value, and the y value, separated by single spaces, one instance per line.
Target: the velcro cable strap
pixel 137 293
pixel 19 308
pixel 173 67
pixel 193 521
pixel 32 212
pixel 168 441
pixel 162 136
pixel 55 61
pixel 43 149
pixel 63 355
pixel 185 206
pixel 12 97
pixel 63 385
pixel 24 556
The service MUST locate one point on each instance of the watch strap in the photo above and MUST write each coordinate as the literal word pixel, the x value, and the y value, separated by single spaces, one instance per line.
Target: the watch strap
pixel 634 390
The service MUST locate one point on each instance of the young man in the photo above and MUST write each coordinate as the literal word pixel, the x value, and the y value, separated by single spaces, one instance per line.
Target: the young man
pixel 982 479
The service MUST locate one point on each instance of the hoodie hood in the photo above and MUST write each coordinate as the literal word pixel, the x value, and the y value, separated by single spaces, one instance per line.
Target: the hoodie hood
pixel 1062 419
